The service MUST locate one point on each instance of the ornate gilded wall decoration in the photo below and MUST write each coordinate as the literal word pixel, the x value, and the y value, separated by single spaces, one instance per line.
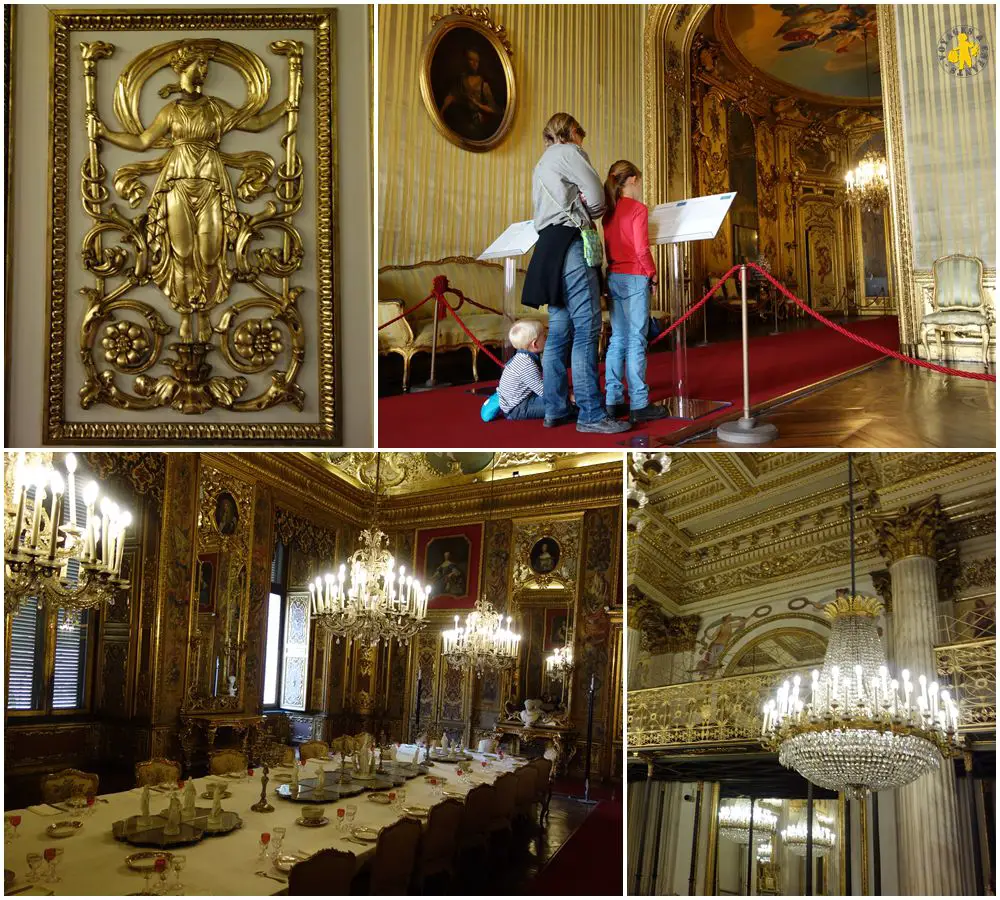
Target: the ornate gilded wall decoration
pixel 546 553
pixel 200 307
pixel 467 78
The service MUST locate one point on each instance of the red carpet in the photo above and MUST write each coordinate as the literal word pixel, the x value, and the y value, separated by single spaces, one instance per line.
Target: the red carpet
pixel 449 417
pixel 590 862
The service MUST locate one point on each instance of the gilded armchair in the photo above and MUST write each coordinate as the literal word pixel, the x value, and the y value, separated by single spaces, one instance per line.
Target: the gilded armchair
pixel 60 786
pixel 157 771
pixel 314 750
pixel 223 762
pixel 959 303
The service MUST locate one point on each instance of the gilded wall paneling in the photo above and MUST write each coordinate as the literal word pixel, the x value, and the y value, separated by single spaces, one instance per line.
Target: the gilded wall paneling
pixel 229 341
pixel 767 194
pixel 712 145
pixel 173 596
pixel 529 570
pixel 822 240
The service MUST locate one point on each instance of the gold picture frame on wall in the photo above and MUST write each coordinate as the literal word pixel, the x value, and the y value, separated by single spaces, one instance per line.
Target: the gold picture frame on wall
pixel 467 78
pixel 177 313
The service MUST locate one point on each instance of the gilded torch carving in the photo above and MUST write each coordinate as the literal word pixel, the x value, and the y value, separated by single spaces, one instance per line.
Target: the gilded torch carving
pixel 192 239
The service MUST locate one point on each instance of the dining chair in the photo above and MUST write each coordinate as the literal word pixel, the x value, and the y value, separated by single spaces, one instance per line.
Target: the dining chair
pixel 502 812
pixel 395 855
pixel 543 786
pixel 60 786
pixel 222 762
pixel 527 778
pixel 479 804
pixel 288 756
pixel 326 873
pixel 314 750
pixel 438 843
pixel 157 771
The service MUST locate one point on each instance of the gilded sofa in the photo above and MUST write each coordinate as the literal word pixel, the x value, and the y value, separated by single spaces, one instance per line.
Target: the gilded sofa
pixel 399 287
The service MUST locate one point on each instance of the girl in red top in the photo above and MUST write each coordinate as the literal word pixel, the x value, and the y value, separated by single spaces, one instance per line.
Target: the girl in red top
pixel 631 279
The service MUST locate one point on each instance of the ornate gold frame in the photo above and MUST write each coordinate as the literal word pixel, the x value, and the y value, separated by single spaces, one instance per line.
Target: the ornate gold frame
pixel 475 18
pixel 67 25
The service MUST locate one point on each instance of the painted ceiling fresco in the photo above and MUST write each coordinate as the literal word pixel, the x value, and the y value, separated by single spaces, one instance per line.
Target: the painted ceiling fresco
pixel 818 48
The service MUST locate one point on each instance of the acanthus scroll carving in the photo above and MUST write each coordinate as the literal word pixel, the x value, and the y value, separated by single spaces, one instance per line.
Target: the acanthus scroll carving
pixel 917 530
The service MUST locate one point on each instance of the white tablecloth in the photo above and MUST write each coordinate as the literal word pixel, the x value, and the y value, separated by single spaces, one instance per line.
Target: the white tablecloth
pixel 93 862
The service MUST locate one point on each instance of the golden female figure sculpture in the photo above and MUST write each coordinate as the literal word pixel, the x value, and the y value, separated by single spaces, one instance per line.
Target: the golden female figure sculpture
pixel 192 210
pixel 193 240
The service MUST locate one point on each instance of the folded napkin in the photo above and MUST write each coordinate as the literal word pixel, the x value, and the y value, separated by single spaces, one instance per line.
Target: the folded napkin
pixel 44 809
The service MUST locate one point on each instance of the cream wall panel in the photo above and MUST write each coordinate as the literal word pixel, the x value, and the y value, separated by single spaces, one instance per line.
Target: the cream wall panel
pixel 438 200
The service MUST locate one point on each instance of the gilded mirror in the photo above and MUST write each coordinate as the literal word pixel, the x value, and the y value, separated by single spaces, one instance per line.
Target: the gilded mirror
pixel 220 594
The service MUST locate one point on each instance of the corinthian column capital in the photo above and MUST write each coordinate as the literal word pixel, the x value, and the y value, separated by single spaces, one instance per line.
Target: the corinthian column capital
pixel 916 530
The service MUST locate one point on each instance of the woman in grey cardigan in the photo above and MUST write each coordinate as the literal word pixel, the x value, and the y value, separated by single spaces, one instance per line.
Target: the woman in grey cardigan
pixel 566 192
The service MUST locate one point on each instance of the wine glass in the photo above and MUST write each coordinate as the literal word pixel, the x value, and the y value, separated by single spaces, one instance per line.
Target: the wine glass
pixel 14 821
pixel 277 838
pixel 35 862
pixel 392 800
pixel 91 806
pixel 265 839
pixel 160 868
pixel 178 863
pixel 52 856
pixel 350 811
pixel 341 813
pixel 401 797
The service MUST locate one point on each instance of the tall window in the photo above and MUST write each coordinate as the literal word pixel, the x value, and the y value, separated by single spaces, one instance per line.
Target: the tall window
pixel 49 648
pixel 286 658
pixel 275 628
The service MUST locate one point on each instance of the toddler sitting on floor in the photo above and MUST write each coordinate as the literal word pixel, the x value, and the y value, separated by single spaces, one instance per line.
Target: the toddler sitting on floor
pixel 519 394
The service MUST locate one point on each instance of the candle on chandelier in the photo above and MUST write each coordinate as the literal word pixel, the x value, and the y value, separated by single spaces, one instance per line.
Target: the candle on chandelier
pixel 71 482
pixel 90 538
pixel 36 519
pixel 55 513
pixel 21 488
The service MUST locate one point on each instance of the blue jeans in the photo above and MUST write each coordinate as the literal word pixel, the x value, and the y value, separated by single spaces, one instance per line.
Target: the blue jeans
pixel 531 407
pixel 626 357
pixel 576 324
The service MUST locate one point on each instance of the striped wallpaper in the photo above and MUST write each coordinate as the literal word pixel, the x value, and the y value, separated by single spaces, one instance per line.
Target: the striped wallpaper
pixel 950 135
pixel 436 199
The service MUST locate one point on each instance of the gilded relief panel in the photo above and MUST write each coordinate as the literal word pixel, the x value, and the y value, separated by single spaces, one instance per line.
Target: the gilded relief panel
pixel 711 150
pixel 199 148
pixel 821 236
pixel 767 194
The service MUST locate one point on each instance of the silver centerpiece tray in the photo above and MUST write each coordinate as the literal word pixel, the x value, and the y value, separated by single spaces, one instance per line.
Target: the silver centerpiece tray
pixel 150 833
pixel 228 820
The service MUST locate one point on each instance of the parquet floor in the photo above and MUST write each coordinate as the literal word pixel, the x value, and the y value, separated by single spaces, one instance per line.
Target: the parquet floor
pixel 888 405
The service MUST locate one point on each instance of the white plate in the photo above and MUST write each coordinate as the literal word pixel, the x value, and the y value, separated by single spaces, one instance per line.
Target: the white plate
pixel 419 812
pixel 284 861
pixel 63 829
pixel 364 833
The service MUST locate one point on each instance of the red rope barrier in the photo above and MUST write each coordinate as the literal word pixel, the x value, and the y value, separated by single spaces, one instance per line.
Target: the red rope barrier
pixel 475 340
pixel 934 367
pixel 694 308
pixel 405 312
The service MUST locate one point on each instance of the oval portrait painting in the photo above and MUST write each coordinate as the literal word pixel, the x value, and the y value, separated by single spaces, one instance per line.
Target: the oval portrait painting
pixel 544 556
pixel 226 513
pixel 467 82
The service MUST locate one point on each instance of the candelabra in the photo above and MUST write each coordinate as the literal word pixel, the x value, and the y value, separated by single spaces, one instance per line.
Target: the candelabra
pixel 734 822
pixel 559 667
pixel 794 837
pixel 484 643
pixel 62 565
pixel 266 753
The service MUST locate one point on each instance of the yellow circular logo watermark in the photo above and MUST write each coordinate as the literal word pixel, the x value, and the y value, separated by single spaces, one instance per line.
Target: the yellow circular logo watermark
pixel 963 51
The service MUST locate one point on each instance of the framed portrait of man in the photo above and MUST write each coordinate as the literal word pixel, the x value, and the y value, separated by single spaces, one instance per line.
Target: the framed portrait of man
pixel 450 561
pixel 467 80
pixel 556 628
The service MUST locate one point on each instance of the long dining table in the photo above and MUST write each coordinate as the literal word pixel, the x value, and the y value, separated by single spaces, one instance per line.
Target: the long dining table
pixel 94 862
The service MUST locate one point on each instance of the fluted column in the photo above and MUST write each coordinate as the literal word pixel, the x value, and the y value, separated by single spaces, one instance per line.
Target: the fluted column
pixel 930 860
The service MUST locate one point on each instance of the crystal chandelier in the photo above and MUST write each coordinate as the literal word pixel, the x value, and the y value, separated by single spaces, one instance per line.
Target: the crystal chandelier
pixel 868 182
pixel 734 822
pixel 368 600
pixel 856 728
pixel 484 643
pixel 559 663
pixel 764 852
pixel 642 468
pixel 794 837
pixel 67 566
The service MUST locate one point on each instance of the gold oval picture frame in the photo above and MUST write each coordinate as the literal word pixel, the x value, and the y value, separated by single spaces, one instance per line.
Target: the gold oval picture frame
pixel 467 80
